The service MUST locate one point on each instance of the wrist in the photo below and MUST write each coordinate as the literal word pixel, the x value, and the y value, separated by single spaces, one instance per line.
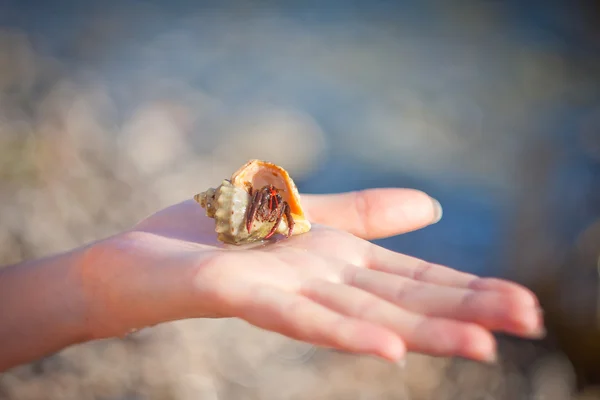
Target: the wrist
pixel 98 281
pixel 73 311
pixel 129 284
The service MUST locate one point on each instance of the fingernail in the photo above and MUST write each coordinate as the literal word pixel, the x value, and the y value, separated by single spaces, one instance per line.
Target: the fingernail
pixel 542 332
pixel 539 330
pixel 437 211
pixel 539 333
pixel 401 363
pixel 540 312
pixel 492 358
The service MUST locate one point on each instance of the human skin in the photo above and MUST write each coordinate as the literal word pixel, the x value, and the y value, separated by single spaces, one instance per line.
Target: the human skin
pixel 330 286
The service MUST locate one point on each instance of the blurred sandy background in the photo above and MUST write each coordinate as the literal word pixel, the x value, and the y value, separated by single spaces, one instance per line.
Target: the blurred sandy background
pixel 111 111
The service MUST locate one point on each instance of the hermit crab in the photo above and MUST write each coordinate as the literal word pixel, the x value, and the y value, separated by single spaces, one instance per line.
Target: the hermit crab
pixel 258 201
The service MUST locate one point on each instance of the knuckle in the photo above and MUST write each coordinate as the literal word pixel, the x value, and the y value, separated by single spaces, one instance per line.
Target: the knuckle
pixel 405 291
pixel 367 307
pixel 364 208
pixel 469 301
pixel 421 271
pixel 349 274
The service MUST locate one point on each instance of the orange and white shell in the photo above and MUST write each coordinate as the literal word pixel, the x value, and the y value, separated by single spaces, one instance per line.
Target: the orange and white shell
pixel 228 203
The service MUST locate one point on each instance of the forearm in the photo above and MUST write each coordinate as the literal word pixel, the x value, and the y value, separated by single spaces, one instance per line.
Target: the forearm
pixel 103 290
pixel 42 308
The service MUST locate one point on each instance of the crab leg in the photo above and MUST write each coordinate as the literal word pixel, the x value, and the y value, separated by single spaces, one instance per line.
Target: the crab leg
pixel 278 221
pixel 254 205
pixel 290 220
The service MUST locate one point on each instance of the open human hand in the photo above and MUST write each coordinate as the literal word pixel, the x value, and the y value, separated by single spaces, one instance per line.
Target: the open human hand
pixel 330 286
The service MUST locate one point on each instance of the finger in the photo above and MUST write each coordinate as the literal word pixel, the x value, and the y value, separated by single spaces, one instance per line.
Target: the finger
pixel 302 319
pixel 511 312
pixel 382 259
pixel 434 336
pixel 374 213
pixel 385 260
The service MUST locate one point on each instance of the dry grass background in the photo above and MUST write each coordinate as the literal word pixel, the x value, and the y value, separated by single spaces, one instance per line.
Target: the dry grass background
pixel 76 166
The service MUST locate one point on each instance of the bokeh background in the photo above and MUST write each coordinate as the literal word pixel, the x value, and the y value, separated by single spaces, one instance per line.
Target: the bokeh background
pixel 111 110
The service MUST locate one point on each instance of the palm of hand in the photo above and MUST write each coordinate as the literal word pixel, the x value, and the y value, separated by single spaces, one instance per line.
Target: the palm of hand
pixel 333 288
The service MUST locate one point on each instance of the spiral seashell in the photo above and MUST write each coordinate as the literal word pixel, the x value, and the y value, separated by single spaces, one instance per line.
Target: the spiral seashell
pixel 228 203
